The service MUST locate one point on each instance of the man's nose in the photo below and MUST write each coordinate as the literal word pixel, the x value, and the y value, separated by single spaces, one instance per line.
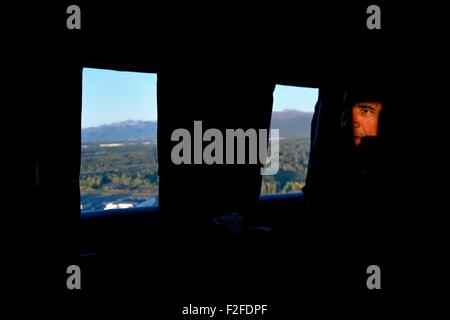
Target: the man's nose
pixel 356 124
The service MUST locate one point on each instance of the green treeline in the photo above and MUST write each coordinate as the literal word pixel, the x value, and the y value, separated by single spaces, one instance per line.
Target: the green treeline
pixel 128 168
pixel 291 177
pixel 132 169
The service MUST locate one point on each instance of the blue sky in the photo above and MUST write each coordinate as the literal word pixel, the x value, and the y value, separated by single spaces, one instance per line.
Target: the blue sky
pixel 297 98
pixel 114 96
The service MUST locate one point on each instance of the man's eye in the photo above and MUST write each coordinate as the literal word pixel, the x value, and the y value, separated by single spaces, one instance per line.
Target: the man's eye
pixel 366 111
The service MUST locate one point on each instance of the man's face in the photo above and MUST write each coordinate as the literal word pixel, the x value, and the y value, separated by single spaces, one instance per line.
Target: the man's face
pixel 365 116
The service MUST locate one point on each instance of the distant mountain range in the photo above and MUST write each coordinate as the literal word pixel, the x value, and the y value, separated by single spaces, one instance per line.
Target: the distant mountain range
pixel 292 123
pixel 120 131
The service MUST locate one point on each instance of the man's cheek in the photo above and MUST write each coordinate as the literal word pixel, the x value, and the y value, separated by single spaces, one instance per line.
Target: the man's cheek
pixel 374 129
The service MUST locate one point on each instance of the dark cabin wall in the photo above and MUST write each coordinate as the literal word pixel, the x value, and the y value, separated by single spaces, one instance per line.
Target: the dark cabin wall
pixel 220 68
pixel 236 57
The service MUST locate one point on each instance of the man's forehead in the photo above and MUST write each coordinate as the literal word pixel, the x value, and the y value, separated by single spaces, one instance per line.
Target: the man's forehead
pixel 376 105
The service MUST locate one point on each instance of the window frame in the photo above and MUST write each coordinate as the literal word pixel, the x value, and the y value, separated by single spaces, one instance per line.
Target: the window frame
pixel 121 68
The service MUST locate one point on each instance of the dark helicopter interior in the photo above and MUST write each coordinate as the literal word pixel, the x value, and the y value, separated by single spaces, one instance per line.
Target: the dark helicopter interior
pixel 295 252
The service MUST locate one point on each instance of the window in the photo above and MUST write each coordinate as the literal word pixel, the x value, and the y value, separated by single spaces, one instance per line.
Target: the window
pixel 119 167
pixel 293 108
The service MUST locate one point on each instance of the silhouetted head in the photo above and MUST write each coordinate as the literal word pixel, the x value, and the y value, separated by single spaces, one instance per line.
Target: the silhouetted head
pixel 362 114
pixel 365 120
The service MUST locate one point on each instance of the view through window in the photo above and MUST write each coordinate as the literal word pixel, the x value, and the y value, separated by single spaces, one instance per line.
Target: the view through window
pixel 293 108
pixel 119 167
